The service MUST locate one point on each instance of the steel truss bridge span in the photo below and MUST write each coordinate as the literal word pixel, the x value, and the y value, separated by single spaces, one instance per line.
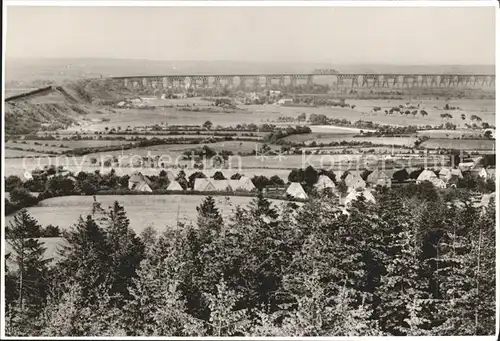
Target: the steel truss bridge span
pixel 340 80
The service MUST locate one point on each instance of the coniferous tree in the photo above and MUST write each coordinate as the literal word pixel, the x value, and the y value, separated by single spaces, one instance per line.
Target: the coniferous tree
pixel 126 250
pixel 400 286
pixel 31 271
pixel 85 258
pixel 466 274
pixel 157 307
pixel 149 238
pixel 209 217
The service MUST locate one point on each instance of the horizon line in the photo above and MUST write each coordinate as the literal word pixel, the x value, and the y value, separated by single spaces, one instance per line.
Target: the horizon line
pixel 247 61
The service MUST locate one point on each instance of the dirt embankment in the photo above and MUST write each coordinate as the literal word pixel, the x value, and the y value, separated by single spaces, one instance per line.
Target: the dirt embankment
pixel 60 106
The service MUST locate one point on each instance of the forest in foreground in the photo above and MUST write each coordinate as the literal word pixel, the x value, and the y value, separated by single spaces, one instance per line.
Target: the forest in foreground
pixel 420 261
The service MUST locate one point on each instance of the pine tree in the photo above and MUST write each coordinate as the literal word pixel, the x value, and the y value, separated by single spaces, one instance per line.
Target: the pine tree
pixel 483 240
pixel 402 292
pixel 126 250
pixel 261 208
pixel 157 307
pixel 85 258
pixel 149 238
pixel 455 274
pixel 466 274
pixel 321 311
pixel 68 315
pixel 31 274
pixel 225 318
pixel 209 218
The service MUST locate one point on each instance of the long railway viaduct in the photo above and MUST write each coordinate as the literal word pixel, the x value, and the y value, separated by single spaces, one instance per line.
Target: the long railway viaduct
pixel 338 80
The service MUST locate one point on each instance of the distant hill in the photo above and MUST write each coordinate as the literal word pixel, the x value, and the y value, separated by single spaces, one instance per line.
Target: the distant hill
pixel 43 72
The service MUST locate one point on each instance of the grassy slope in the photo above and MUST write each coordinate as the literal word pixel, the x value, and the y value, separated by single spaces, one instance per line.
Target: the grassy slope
pixel 62 106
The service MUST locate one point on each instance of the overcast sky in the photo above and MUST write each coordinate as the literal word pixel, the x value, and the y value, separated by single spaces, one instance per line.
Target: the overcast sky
pixel 336 35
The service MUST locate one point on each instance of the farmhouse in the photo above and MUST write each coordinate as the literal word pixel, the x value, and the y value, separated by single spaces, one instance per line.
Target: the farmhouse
pixel 140 183
pixel 438 183
pixel 295 190
pixel 222 185
pixel 491 173
pixel 170 175
pixel 353 195
pixel 478 172
pixel 482 173
pixel 426 175
pixel 175 186
pixel 323 183
pixel 378 178
pixel 243 184
pixel 354 182
pixel 450 175
pixel 466 166
pixel 202 184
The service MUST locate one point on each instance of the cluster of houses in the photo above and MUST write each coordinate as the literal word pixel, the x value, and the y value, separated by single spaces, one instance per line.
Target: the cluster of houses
pixel 448 177
pixel 139 182
pixel 243 184
pixel 356 187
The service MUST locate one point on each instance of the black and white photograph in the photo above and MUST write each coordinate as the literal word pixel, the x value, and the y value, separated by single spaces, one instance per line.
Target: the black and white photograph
pixel 249 169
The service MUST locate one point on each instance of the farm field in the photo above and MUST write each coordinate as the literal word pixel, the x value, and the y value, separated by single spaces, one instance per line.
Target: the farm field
pixel 336 130
pixel 326 138
pixel 317 136
pixel 163 134
pixel 483 108
pixel 450 133
pixel 52 146
pixel 188 136
pixel 460 144
pixel 158 211
pixel 55 145
pixel 14 153
pixel 175 150
pixel 260 114
pixel 89 143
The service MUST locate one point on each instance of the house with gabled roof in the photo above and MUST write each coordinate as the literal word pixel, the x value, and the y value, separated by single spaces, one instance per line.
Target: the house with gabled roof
pixel 222 185
pixel 139 182
pixel 203 185
pixel 323 183
pixel 175 186
pixel 354 195
pixel 426 175
pixel 378 178
pixel 354 182
pixel 295 190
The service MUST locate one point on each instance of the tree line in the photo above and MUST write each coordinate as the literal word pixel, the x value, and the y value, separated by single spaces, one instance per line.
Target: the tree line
pixel 411 264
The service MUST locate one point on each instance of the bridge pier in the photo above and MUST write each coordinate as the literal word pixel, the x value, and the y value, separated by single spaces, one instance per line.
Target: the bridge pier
pixel 310 80
pixel 167 82
pixel 268 82
pixel 281 81
pixel 256 82
pixel 204 82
